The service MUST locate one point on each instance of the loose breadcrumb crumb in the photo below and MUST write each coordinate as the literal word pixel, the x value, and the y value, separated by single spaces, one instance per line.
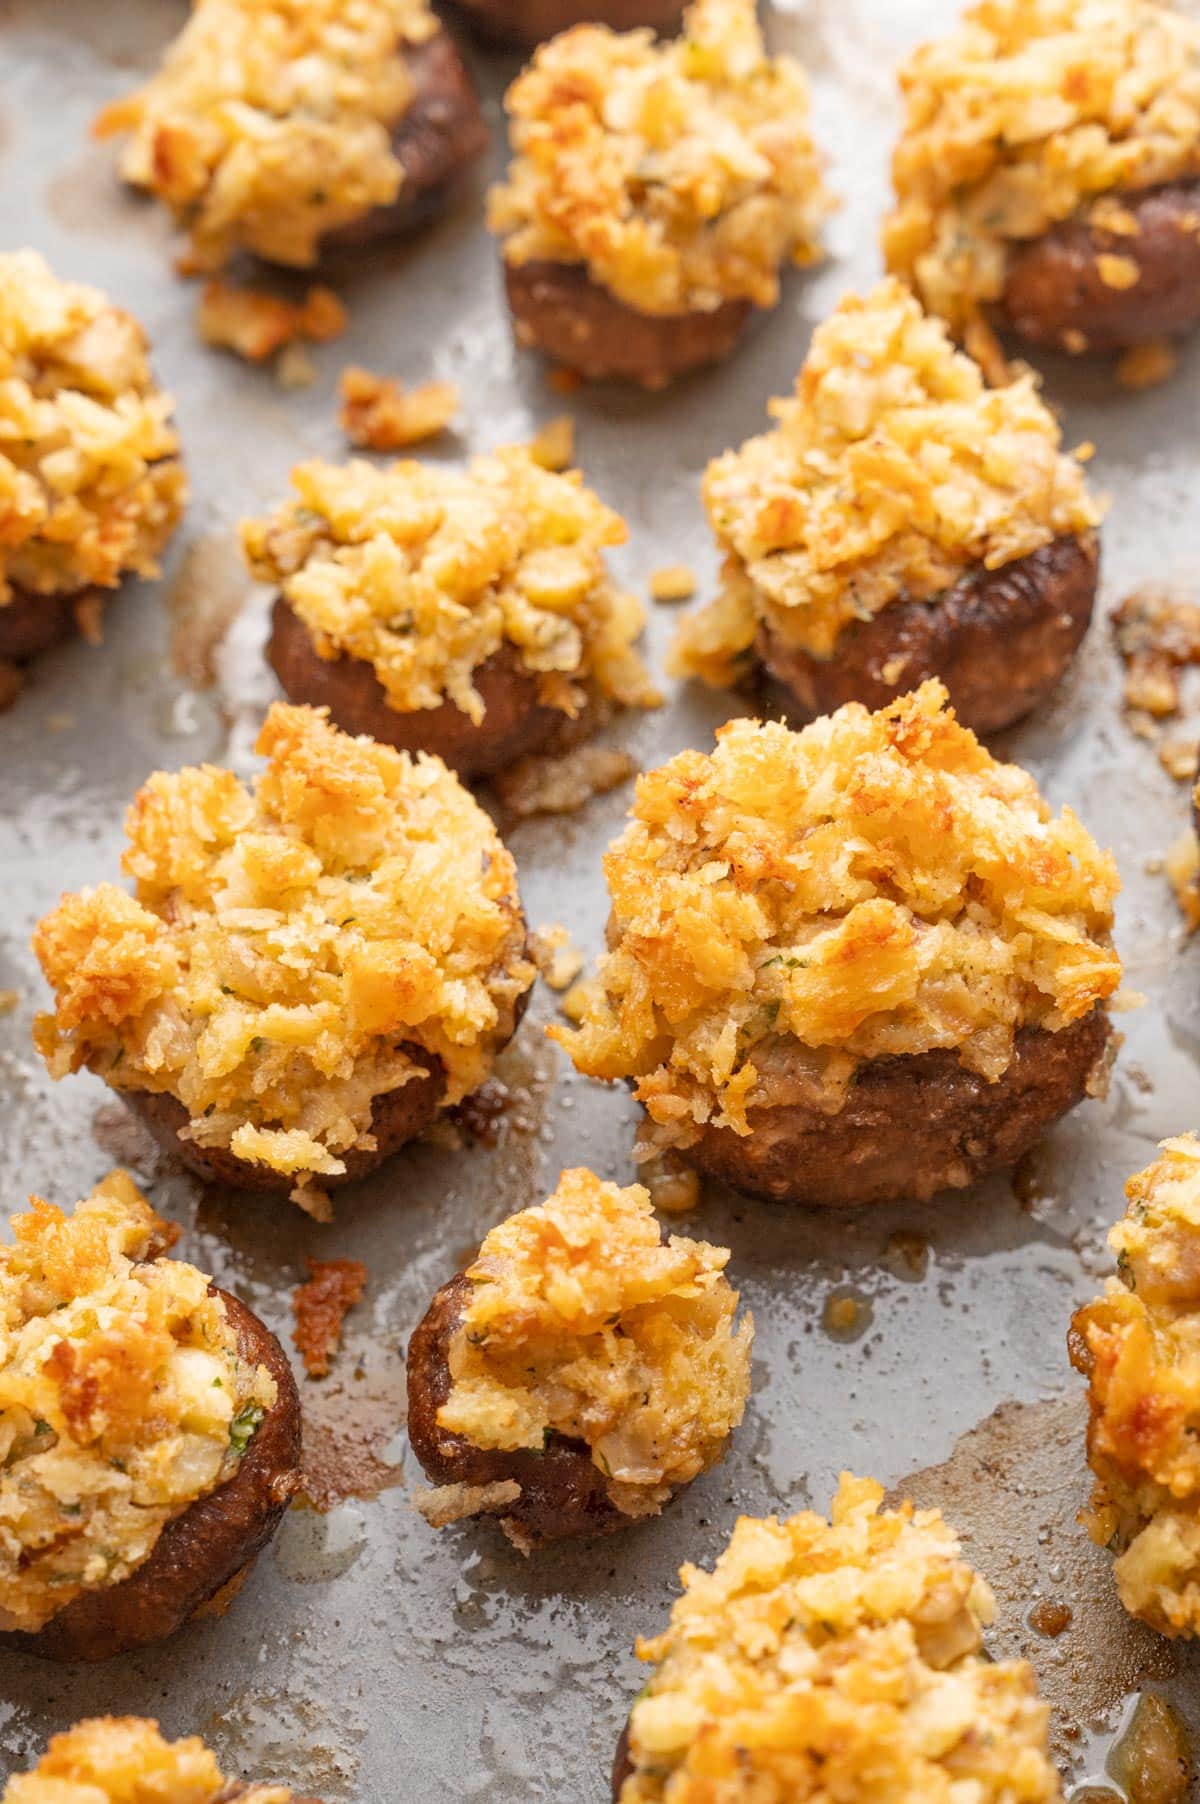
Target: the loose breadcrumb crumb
pixel 379 414
pixel 447 1504
pixel 125 1760
pixel 1157 636
pixel 255 325
pixel 674 1188
pixel 556 958
pixel 674 582
pixel 1182 865
pixel 320 1307
pixel 1145 366
pixel 552 446
pixel 9 1000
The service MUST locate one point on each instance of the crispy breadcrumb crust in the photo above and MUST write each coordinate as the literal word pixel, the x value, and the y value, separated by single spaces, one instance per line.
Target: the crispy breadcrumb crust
pixel 91 486
pixel 892 472
pixel 426 572
pixel 122 1397
pixel 836 1660
pixel 793 903
pixel 125 1760
pixel 584 1323
pixel 681 173
pixel 287 949
pixel 1139 1346
pixel 269 123
pixel 1030 113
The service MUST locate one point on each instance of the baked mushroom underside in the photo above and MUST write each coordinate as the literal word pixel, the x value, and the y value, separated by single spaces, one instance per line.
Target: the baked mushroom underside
pixel 209 1545
pixel 522 24
pixel 1001 641
pixel 910 1126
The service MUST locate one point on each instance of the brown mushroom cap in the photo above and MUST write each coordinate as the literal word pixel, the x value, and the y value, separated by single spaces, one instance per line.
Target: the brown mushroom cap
pixel 521 24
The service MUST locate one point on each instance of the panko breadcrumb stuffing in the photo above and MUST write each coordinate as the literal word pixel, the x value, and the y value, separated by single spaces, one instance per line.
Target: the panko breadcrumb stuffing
pixel 123 1397
pixel 270 122
pixel 836 1660
pixel 293 953
pixel 91 485
pixel 426 572
pixel 378 414
pixel 254 325
pixel 876 884
pixel 1030 113
pixel 1139 1347
pixel 125 1760
pixel 680 172
pixel 893 472
pixel 583 1323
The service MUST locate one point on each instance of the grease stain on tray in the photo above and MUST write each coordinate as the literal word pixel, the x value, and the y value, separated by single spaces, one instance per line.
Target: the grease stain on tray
pixel 353 1444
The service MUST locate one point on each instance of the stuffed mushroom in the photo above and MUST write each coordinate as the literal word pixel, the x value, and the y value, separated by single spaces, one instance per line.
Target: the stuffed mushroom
pixel 655 194
pixel 851 964
pixel 150 1428
pixel 1048 173
pixel 839 1659
pixel 900 521
pixel 125 1760
pixel 463 612
pixel 307 973
pixel 90 478
pixel 579 1372
pixel 289 131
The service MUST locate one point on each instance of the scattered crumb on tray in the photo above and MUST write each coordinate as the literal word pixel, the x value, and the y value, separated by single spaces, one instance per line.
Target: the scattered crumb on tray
pixel 574 1004
pixel 321 1305
pixel 1145 366
pixel 553 445
pixel 1178 758
pixel 555 957
pixel 674 1188
pixel 255 325
pixel 8 1001
pixel 561 783
pixel 380 414
pixel 454 1503
pixel 674 582
pixel 1157 635
pixel 1183 871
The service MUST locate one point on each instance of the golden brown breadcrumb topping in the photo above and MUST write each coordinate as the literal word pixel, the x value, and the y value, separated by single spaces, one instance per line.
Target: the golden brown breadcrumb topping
pixel 1030 113
pixel 91 485
pixel 836 1660
pixel 793 903
pixel 1139 1346
pixel 123 1398
pixel 293 952
pixel 892 472
pixel 254 325
pixel 270 122
pixel 681 173
pixel 125 1760
pixel 426 572
pixel 379 414
pixel 584 1323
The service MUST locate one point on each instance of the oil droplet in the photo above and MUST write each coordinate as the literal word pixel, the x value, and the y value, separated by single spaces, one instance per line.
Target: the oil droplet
pixel 847 1314
pixel 313 1548
pixel 906 1255
pixel 1050 1617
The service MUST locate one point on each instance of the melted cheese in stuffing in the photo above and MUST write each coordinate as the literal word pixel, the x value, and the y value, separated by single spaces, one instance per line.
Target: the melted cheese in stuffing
pixel 270 121
pixel 91 485
pixel 427 572
pixel 125 1760
pixel 681 173
pixel 294 952
pixel 1139 1345
pixel 122 1397
pixel 583 1323
pixel 892 473
pixel 1033 112
pixel 824 1661
pixel 795 902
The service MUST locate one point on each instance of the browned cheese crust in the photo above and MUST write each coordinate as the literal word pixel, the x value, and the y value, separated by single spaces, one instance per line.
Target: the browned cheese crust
pixel 557 309
pixel 563 1494
pixel 911 1126
pixel 1055 294
pixel 1000 640
pixel 439 136
pixel 200 1551
pixel 514 721
pixel 520 24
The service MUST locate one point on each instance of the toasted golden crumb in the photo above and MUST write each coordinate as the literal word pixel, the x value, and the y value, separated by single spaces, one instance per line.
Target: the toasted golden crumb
pixel 582 1322
pixel 292 953
pixel 125 1760
pixel 426 572
pixel 892 472
pixel 675 582
pixel 91 486
pixel 378 414
pixel 9 1000
pixel 320 1307
pixel 123 1397
pixel 842 1659
pixel 255 325
pixel 558 960
pixel 1030 113
pixel 552 446
pixel 1157 635
pixel 674 1188
pixel 1182 864
pixel 1145 366
pixel 874 885
pixel 1139 1347
pixel 270 122
pixel 681 173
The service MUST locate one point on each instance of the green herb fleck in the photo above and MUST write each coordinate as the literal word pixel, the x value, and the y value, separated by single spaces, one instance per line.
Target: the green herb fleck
pixel 244 1427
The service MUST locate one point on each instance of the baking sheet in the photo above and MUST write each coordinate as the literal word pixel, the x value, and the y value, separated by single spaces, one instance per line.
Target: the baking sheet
pixel 369 1657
